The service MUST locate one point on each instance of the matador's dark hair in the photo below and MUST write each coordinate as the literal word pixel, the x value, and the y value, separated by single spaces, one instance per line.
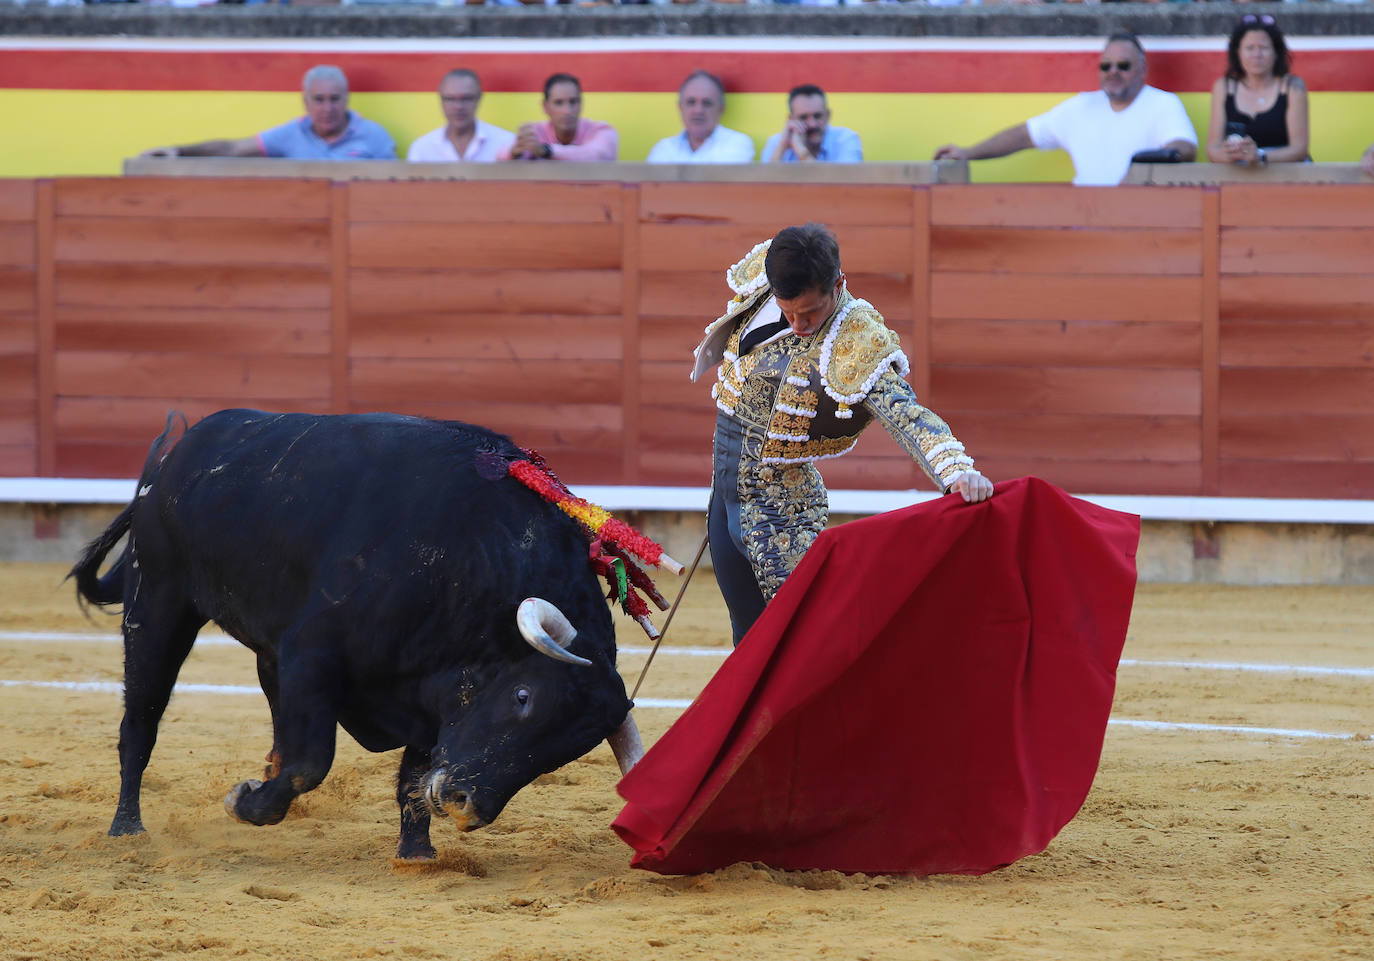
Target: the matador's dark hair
pixel 802 259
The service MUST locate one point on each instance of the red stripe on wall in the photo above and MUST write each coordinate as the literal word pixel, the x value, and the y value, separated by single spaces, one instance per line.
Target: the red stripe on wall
pixel 887 71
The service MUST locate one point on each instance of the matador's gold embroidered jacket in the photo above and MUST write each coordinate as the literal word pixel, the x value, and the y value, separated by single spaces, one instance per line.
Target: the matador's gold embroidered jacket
pixel 812 396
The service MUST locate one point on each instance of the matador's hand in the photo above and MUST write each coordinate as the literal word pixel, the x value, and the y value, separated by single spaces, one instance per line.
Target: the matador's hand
pixel 972 486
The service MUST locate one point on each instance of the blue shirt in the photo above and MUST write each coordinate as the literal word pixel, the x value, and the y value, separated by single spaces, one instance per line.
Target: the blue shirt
pixel 840 145
pixel 361 140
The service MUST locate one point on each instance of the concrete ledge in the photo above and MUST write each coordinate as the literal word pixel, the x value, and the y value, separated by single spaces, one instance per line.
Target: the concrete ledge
pixel 673 20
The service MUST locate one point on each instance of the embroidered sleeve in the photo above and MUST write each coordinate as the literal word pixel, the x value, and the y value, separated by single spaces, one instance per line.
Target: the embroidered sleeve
pixel 919 432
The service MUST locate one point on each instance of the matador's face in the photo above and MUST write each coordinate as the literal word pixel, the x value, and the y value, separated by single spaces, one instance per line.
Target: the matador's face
pixel 808 310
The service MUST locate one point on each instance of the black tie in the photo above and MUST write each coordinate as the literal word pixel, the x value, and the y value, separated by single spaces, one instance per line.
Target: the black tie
pixel 758 335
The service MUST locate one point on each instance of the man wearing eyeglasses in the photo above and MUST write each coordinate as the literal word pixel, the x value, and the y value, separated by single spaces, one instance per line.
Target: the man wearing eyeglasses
pixel 1102 129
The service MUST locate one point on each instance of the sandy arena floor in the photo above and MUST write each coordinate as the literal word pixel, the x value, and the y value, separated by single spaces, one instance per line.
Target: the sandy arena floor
pixel 1245 836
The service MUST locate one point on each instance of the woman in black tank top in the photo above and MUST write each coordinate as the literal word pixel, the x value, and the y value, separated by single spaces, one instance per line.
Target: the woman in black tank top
pixel 1259 109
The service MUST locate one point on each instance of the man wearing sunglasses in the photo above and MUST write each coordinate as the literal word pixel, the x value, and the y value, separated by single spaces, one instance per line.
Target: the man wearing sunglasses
pixel 1102 129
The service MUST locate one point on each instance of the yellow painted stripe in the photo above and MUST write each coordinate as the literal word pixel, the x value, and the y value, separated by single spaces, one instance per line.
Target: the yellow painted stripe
pixel 98 129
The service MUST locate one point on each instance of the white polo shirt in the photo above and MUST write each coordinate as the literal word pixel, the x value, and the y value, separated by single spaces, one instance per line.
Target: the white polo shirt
pixel 1101 141
pixel 487 141
pixel 724 146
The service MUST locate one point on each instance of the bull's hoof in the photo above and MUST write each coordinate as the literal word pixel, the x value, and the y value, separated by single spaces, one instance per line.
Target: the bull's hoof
pixel 122 827
pixel 231 800
pixel 416 851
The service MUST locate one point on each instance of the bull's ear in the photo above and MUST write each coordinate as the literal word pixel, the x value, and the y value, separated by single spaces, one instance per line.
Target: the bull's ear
pixel 545 629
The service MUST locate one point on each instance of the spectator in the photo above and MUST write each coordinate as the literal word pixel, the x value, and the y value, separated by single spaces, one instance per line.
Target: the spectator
pixel 1101 129
pixel 464 138
pixel 701 101
pixel 1367 161
pixel 328 131
pixel 1259 109
pixel 565 135
pixel 808 135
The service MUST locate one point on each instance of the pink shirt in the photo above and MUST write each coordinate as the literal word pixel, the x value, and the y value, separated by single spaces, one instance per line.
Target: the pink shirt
pixel 594 142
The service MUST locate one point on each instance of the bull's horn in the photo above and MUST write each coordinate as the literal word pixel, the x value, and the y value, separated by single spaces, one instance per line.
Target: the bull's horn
pixel 546 630
pixel 625 744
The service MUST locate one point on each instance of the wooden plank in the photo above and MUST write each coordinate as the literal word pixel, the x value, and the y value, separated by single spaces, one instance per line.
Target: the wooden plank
pixel 191 240
pixel 19 424
pixel 1299 343
pixel 17 245
pixel 551 246
pixel 920 344
pixel 1063 205
pixel 18 334
pixel 530 424
pixel 1292 250
pixel 250 198
pixel 1295 205
pixel 340 327
pixel 1018 391
pixel 99 459
pixel 386 383
pixel 1059 297
pixel 18 460
pixel 17 289
pixel 1311 390
pixel 1066 250
pixel 1086 436
pixel 462 292
pixel 1100 476
pixel 856 472
pixel 678 469
pixel 671 388
pixel 1314 298
pixel 584 427
pixel 702 295
pixel 18 377
pixel 836 205
pixel 17 200
pixel 631 388
pixel 670 339
pixel 483 202
pixel 45 291
pixel 222 377
pixel 1035 343
pixel 714 247
pixel 184 285
pixel 193 329
pixel 488 336
pixel 1211 246
pixel 1299 436
pixel 1268 478
pixel 676 428
pixel 137 420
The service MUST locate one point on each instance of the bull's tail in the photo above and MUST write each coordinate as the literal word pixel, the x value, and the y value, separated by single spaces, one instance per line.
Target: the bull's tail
pixel 109 588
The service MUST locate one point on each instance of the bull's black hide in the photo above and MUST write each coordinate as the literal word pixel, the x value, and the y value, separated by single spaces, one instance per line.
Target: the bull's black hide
pixel 374 564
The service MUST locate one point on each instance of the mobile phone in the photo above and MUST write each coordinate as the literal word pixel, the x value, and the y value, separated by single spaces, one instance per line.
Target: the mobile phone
pixel 1235 130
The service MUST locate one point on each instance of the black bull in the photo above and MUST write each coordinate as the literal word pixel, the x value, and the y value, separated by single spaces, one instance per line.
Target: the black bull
pixel 374 564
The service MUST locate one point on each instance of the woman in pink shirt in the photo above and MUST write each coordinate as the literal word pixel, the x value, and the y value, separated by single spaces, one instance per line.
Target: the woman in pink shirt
pixel 565 135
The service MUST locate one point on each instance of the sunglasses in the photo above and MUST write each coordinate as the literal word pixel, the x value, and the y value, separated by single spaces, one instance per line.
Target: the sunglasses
pixel 1265 19
pixel 1122 65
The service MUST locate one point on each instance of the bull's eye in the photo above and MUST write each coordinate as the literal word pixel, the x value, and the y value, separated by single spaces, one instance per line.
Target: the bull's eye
pixel 522 696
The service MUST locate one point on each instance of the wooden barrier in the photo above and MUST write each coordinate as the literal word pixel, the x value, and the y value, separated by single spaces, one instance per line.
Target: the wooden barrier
pixel 1140 340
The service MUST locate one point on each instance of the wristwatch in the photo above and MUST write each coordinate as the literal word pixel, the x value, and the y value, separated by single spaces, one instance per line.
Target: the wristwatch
pixel 548 152
pixel 1261 156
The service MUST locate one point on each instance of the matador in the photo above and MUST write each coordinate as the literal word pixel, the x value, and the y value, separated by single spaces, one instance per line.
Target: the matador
pixel 802 367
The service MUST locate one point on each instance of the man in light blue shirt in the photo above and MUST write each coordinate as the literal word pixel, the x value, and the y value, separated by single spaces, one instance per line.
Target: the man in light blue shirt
pixel 328 131
pixel 808 135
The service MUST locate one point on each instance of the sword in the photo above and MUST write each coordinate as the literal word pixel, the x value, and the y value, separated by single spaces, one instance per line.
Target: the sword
pixel 673 610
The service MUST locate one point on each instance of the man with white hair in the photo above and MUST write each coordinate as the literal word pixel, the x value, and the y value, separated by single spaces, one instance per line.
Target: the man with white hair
pixel 328 131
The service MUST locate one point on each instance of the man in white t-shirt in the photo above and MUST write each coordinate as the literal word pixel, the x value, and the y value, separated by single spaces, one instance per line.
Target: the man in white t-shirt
pixel 1101 129
pixel 464 138
pixel 701 101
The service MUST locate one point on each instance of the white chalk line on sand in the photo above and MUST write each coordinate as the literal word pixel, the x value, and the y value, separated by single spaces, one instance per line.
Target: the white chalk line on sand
pixel 213 638
pixel 679 704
